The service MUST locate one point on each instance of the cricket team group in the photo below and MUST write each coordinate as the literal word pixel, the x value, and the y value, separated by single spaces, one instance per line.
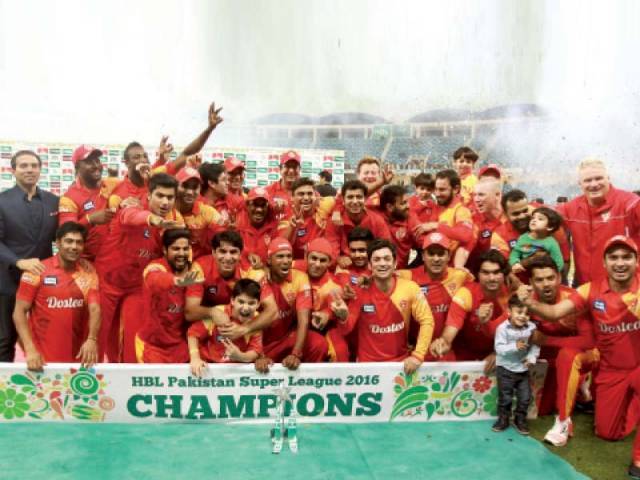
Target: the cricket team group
pixel 177 262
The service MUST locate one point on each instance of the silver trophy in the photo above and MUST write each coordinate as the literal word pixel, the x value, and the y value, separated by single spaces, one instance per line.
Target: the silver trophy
pixel 280 429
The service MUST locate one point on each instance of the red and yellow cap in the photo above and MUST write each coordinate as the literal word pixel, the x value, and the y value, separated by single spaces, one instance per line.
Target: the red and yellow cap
pixel 279 244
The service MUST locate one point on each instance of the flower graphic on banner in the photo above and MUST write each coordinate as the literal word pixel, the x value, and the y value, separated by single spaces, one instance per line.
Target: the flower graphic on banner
pixel 481 384
pixel 78 393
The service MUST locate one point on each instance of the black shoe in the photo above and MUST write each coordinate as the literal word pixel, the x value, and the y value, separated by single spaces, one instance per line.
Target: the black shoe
pixel 501 424
pixel 585 407
pixel 521 426
pixel 634 472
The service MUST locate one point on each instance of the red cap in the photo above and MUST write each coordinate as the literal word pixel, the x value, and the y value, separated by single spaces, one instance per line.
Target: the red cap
pixel 231 163
pixel 621 240
pixel 279 244
pixel 321 245
pixel 492 167
pixel 187 173
pixel 289 155
pixel 258 192
pixel 436 238
pixel 83 152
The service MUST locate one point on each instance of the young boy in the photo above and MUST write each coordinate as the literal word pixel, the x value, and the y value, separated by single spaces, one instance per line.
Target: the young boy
pixel 422 204
pixel 513 357
pixel 206 345
pixel 544 222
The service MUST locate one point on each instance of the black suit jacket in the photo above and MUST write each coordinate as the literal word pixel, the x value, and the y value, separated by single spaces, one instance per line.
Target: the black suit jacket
pixel 21 236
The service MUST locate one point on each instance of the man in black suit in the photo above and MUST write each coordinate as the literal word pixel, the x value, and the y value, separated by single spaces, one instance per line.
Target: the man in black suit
pixel 28 222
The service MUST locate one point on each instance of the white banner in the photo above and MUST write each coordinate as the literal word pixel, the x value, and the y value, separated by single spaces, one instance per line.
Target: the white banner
pixel 346 392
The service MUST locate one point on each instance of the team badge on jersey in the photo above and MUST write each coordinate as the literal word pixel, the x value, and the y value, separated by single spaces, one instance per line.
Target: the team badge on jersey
pixel 485 233
pixel 146 233
pixel 50 280
pixel 301 232
pixel 88 206
pixel 369 308
pixel 512 243
pixel 401 233
pixel 213 289
pixel 600 306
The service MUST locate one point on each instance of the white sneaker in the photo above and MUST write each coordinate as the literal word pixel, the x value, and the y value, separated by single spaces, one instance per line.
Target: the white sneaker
pixel 560 432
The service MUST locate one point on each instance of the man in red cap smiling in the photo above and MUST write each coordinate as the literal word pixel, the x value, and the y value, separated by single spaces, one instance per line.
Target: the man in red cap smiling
pixel 85 202
pixel 257 225
pixel 438 282
pixel 613 326
pixel 288 339
pixel 235 175
pixel 280 191
pixel 201 219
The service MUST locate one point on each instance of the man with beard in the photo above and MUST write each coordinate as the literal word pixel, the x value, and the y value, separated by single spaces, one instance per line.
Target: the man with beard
pixel 381 314
pixel 202 220
pixel 601 212
pixel 288 338
pixel 453 218
pixel 475 313
pixel 305 223
pixel 487 216
pixel 358 269
pixel 464 161
pixel 257 226
pixel 438 282
pixel 217 274
pixel 57 312
pixel 394 205
pixel 280 191
pixel 86 200
pixel 215 192
pixel 134 240
pixel 162 337
pixel 354 214
pixel 613 327
pixel 235 175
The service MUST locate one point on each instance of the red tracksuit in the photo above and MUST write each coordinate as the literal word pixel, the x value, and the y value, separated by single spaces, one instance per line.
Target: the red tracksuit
pixel 312 228
pixel 484 228
pixel 255 239
pixel 372 220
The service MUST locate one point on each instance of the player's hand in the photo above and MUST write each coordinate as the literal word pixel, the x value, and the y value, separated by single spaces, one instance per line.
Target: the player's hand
pixel 262 364
pixel 189 278
pixel 88 353
pixel 101 217
pixel 35 362
pixel 537 338
pixel 517 268
pixel 214 116
pixel 164 149
pixel 387 174
pixel 194 161
pixel 168 224
pixel 198 366
pixel 130 202
pixel 344 262
pixel 291 362
pixel 485 312
pixel 255 261
pixel 231 350
pixel 525 294
pixel 319 319
pixel 144 169
pixel 279 205
pixel 336 218
pixel 32 265
pixel 439 347
pixel 411 364
pixel 348 293
pixel 522 344
pixel 339 308
pixel 233 330
pixel 489 363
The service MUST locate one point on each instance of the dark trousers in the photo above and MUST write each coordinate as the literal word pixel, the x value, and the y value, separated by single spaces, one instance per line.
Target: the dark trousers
pixel 8 335
pixel 509 383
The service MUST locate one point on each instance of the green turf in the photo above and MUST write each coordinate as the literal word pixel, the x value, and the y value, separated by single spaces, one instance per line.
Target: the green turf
pixel 590 455
pixel 332 451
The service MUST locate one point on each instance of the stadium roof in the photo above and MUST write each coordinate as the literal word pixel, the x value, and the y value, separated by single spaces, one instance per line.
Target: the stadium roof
pixel 349 118
pixel 506 111
pixel 442 115
pixel 284 119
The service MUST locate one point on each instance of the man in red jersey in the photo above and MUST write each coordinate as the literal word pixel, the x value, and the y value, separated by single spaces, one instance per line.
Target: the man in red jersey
pixel 202 220
pixel 394 206
pixel 601 212
pixel 215 192
pixel 162 337
pixel 453 219
pixel 382 313
pixel 280 192
pixel 614 307
pixel 86 199
pixel 133 242
pixel 438 282
pixel 358 271
pixel 288 338
pixel 475 313
pixel 235 175
pixel 354 214
pixel 57 313
pixel 487 216
pixel 304 222
pixel 218 273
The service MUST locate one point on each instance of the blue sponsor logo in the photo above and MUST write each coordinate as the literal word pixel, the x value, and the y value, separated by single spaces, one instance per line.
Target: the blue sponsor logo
pixel 88 206
pixel 50 280
pixel 486 233
pixel 369 308
pixel 147 233
pixel 424 288
pixel 213 290
pixel 512 243
pixel 302 232
pixel 354 279
pixel 600 306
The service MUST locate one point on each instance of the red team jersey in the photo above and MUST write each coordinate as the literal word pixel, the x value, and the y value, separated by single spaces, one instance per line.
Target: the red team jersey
pixel 255 239
pixel 211 347
pixel 203 222
pixel 312 228
pixel 337 235
pixel 352 275
pixel 422 211
pixel 164 324
pixel 59 314
pixel 382 321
